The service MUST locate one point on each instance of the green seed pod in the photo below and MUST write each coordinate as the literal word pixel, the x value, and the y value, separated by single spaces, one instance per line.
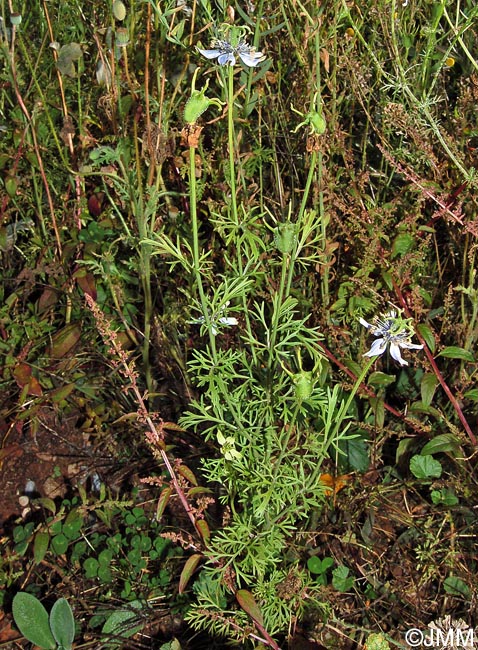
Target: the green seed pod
pixel 15 19
pixel 195 106
pixel 304 385
pixel 119 10
pixel 318 123
pixel 198 102
pixel 285 237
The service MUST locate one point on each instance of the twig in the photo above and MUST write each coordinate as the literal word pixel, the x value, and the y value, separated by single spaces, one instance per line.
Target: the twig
pixel 437 372
pixel 35 141
pixel 154 435
pixel 368 390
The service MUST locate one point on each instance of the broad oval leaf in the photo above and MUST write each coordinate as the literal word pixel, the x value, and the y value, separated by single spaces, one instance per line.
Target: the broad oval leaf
pixel 249 605
pixel 73 524
pixel 188 569
pixel 188 474
pixel 59 394
pixel 67 55
pixel 427 387
pixel 472 394
pixel 47 503
pixel 25 379
pixel 405 446
pixel 387 278
pixel 62 623
pixel 86 281
pixel 356 454
pixel 118 624
pixel 420 407
pixel 48 298
pixel 341 579
pixel 457 587
pixel 90 566
pixel 163 502
pixel 31 618
pixel 314 564
pixel 427 335
pixel 203 530
pixel 318 566
pixel 380 379
pixel 402 244
pixel 445 442
pixel 454 352
pixel 355 367
pixel 193 492
pixel 40 546
pixel 59 544
pixel 378 407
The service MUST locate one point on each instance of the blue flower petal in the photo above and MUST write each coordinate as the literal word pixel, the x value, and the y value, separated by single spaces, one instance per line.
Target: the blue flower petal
pixel 396 354
pixel 251 60
pixel 378 347
pixel 228 320
pixel 210 54
pixel 363 322
pixel 227 58
pixel 411 346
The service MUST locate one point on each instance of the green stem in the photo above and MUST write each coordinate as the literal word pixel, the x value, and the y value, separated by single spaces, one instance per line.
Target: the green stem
pixel 257 35
pixel 341 415
pixel 277 302
pixel 196 259
pixel 236 415
pixel 421 105
pixel 231 143
pixel 353 392
pixel 319 163
pixel 301 215
pixel 232 185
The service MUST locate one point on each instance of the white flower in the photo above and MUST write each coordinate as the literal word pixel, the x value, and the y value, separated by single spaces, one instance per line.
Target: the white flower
pixel 217 319
pixel 393 331
pixel 225 320
pixel 232 46
pixel 226 53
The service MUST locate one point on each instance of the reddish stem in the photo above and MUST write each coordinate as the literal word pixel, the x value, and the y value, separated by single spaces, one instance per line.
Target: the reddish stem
pixel 369 391
pixel 437 372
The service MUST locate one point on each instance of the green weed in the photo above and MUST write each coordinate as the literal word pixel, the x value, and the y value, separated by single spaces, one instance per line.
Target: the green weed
pixel 207 210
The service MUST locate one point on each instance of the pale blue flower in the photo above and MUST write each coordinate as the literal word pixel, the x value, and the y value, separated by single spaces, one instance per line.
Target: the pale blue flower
pixel 393 331
pixel 217 319
pixel 226 52
pixel 225 320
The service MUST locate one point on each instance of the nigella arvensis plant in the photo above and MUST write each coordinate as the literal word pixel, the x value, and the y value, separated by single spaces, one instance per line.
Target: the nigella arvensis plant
pixel 391 331
pixel 231 46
